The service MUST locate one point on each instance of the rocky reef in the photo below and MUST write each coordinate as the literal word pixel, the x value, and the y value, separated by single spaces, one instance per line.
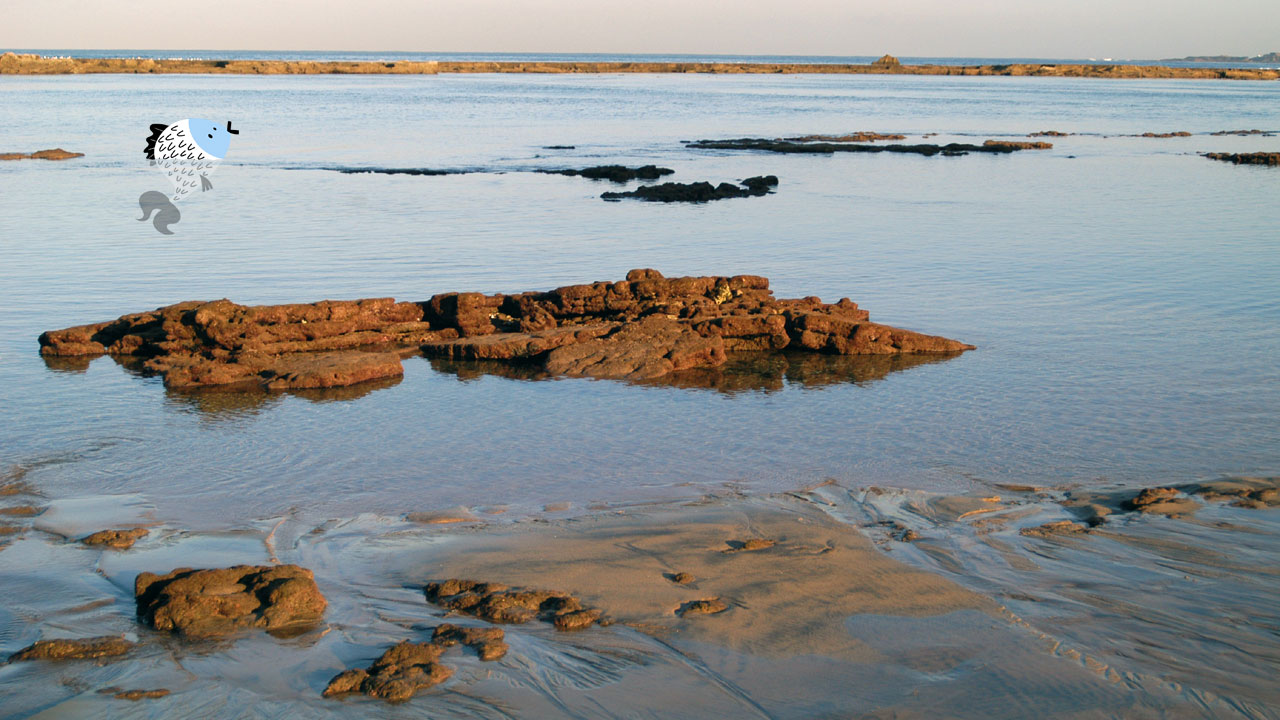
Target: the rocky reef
pixel 827 148
pixel 1257 158
pixel 698 192
pixel 500 604
pixel 84 649
pixel 640 328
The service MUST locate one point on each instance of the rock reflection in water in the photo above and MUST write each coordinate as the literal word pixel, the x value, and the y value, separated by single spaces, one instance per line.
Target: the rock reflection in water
pixel 226 403
pixel 743 372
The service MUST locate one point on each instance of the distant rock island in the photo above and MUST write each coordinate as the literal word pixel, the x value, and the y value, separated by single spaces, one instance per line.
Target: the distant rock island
pixel 1271 57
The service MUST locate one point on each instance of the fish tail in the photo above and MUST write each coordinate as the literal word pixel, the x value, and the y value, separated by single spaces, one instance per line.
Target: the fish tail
pixel 166 212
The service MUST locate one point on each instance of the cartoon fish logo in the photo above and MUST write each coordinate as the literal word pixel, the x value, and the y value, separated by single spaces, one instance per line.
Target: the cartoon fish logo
pixel 188 151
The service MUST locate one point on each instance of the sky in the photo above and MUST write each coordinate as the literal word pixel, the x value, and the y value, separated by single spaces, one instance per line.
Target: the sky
pixel 1137 29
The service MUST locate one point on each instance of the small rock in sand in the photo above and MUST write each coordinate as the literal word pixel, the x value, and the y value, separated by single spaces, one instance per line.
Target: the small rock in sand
pixel 87 648
pixel 1062 527
pixel 21 511
pixel 397 675
pixel 500 604
pixel 489 643
pixel 118 539
pixel 134 695
pixel 706 606
pixel 749 545
pixel 1163 501
pixel 680 578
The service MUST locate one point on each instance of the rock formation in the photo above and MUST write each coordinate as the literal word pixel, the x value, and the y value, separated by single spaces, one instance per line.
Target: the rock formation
pixel 699 191
pixel 826 148
pixel 499 604
pixel 209 603
pixel 637 329
pixel 88 648
pixel 615 173
pixel 1257 158
pixel 117 539
pixel 54 154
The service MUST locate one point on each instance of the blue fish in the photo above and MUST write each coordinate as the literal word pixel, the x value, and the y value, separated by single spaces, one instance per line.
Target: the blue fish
pixel 188 151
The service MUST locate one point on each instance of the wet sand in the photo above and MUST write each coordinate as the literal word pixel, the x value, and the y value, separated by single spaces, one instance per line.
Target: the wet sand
pixel 35 65
pixel 1144 616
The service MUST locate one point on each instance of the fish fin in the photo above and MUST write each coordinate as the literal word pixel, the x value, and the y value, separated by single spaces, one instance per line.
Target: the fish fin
pixel 204 183
pixel 156 129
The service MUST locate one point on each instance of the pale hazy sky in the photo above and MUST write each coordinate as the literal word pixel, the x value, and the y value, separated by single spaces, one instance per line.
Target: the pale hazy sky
pixel 993 28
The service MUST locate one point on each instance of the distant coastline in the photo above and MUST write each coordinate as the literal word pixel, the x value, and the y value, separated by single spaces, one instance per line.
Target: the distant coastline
pixel 1270 58
pixel 29 64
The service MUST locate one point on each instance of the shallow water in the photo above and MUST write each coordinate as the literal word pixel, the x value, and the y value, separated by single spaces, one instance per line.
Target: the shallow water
pixel 1123 292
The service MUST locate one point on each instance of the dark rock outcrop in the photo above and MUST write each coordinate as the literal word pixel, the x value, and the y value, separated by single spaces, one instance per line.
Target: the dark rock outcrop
pixel 1049 133
pixel 641 328
pixel 1242 133
pixel 1018 145
pixel 615 173
pixel 1179 134
pixel 1257 158
pixel 699 191
pixel 429 172
pixel 281 599
pixel 826 148
pixel 54 154
pixel 118 539
pixel 499 604
pixel 85 649
pixel 856 137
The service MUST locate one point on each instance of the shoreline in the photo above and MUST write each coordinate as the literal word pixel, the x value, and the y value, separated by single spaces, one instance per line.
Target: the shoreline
pixel 925 602
pixel 12 64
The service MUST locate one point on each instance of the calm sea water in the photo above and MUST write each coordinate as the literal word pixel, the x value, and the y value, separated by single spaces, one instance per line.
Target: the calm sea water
pixel 1124 292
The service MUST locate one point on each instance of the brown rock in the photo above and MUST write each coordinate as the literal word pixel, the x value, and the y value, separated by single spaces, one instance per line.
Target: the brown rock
pixel 1179 134
pixel 1049 133
pixel 88 648
pixel 1255 158
pixel 54 154
pixel 707 606
pixel 205 603
pixel 134 695
pixel 851 137
pixel 118 539
pixel 638 329
pixel 21 511
pixel 500 604
pixel 488 643
pixel 1163 501
pixel 397 675
pixel 681 578
pixel 1019 145
pixel 887 61
pixel 1062 527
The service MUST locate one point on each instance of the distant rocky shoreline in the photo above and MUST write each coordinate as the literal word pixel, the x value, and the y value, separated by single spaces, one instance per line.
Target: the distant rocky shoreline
pixel 30 64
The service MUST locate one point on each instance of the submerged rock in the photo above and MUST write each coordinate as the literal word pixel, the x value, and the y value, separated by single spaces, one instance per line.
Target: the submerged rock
pixel 1179 134
pixel 87 648
pixel 1049 133
pixel 207 603
pixel 499 604
pixel 750 545
pixel 860 137
pixel 118 539
pixel 1255 493
pixel 826 148
pixel 699 191
pixel 641 328
pixel 1263 133
pixel 1256 158
pixel 615 173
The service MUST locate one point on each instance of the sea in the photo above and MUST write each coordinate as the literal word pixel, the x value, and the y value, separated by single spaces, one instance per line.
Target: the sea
pixel 1123 292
